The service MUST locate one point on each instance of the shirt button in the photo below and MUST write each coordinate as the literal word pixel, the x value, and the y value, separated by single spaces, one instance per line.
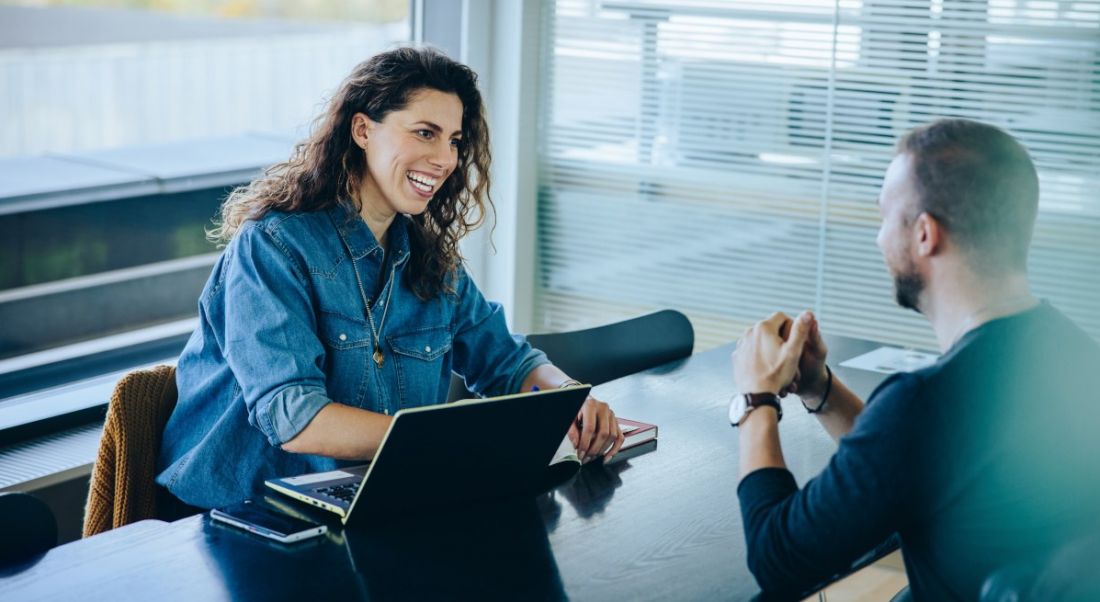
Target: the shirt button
pixel 386 411
pixel 343 337
pixel 428 349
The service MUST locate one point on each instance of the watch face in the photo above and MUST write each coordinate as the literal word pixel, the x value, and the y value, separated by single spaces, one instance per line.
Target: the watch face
pixel 738 409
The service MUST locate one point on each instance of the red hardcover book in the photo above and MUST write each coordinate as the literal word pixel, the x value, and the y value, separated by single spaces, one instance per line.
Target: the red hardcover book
pixel 639 438
pixel 636 433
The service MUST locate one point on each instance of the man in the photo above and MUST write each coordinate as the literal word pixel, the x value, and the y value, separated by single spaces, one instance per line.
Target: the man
pixel 982 461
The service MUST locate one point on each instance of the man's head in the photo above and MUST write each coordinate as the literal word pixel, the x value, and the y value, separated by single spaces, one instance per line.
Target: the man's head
pixel 959 185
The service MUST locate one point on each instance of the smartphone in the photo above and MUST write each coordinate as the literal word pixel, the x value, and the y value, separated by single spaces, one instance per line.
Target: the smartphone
pixel 266 522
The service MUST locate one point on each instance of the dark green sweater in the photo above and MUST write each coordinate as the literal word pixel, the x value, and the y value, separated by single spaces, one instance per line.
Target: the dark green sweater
pixel 989 457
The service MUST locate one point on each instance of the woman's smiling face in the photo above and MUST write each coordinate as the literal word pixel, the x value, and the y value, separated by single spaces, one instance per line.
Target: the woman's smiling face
pixel 410 153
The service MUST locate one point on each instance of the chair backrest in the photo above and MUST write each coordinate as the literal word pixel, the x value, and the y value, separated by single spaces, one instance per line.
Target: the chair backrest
pixel 603 353
pixel 1069 574
pixel 597 355
pixel 122 490
pixel 27 527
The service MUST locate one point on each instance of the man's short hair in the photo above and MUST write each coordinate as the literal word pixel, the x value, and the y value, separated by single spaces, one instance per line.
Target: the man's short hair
pixel 980 184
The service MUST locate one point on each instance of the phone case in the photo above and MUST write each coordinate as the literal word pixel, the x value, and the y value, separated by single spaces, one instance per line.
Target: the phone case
pixel 267 523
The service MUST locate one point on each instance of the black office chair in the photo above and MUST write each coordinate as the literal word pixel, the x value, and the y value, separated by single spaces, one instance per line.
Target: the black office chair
pixel 903 595
pixel 597 355
pixel 1067 575
pixel 27 525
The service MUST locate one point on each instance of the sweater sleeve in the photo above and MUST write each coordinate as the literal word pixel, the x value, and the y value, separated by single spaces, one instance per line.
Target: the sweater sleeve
pixel 797 538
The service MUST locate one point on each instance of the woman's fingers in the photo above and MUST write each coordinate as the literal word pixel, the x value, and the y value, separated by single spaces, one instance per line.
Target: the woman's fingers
pixel 616 442
pixel 599 433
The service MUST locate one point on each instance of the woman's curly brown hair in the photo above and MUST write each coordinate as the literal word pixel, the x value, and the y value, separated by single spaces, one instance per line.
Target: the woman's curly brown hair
pixel 329 167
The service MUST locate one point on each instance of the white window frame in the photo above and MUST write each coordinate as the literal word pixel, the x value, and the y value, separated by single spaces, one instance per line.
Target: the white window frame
pixel 499 39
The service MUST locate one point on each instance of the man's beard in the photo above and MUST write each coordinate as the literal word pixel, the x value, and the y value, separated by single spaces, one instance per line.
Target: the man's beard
pixel 908 285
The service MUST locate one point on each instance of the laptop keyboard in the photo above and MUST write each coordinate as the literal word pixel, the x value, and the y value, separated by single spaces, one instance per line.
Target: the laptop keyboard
pixel 344 493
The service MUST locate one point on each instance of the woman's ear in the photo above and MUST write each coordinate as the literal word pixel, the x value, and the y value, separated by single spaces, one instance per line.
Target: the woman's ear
pixel 360 129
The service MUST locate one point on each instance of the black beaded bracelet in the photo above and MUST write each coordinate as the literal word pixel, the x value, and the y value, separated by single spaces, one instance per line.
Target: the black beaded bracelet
pixel 825 397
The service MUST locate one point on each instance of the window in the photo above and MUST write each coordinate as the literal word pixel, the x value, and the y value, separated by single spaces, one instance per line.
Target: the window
pixel 82 75
pixel 724 158
pixel 123 125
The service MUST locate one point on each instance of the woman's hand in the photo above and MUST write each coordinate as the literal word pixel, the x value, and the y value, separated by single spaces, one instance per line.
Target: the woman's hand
pixel 596 431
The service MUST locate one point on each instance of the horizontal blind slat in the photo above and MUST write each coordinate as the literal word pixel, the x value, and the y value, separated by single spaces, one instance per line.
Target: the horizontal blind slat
pixel 692 154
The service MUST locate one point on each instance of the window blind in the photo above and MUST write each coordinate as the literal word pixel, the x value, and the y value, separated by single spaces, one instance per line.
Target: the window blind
pixel 724 158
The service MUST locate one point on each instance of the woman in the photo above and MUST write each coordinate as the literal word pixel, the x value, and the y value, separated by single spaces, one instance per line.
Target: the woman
pixel 341 296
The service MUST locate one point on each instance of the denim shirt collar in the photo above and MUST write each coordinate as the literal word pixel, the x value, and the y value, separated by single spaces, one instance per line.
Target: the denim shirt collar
pixel 359 239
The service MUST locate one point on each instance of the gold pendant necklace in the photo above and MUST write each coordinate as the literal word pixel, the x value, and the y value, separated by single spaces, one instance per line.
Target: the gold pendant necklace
pixel 378 357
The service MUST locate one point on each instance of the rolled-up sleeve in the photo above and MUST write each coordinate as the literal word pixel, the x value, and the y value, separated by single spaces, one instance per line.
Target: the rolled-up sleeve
pixel 288 412
pixel 533 359
pixel 490 359
pixel 271 342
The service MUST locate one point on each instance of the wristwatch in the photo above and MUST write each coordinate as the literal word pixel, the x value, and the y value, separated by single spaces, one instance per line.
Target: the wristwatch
pixel 743 403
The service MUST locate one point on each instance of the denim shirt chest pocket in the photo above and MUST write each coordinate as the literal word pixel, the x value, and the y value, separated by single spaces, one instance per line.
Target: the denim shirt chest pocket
pixel 422 364
pixel 347 350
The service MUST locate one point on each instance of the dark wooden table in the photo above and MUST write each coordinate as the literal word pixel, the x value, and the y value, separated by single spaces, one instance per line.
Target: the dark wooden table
pixel 664 525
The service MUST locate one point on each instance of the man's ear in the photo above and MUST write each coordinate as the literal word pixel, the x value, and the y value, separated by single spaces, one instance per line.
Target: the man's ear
pixel 360 129
pixel 928 235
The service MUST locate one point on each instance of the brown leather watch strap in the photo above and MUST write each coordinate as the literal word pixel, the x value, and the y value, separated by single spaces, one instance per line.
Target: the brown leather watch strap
pixel 755 400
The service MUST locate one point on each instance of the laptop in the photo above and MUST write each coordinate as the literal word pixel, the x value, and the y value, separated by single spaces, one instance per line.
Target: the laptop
pixel 443 454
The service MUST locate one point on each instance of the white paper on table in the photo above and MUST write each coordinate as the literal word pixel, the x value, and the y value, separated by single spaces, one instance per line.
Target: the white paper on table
pixel 889 360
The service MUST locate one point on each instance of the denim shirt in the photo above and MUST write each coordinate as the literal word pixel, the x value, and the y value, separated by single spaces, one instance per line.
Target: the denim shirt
pixel 283 332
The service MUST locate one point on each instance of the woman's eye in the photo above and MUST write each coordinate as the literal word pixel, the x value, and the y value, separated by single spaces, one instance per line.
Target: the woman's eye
pixel 456 142
pixel 425 134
